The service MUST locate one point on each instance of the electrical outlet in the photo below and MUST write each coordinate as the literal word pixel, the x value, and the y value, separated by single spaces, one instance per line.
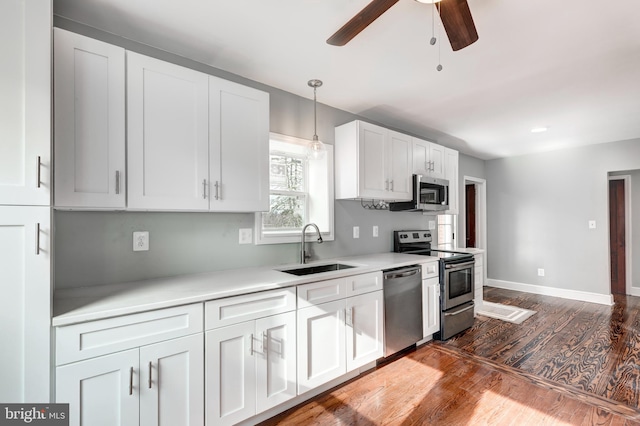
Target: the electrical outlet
pixel 540 272
pixel 356 232
pixel 245 236
pixel 141 241
pixel 592 224
pixel 375 230
pixel 432 225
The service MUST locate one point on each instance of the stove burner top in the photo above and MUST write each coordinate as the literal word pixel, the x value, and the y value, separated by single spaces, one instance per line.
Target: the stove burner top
pixel 419 242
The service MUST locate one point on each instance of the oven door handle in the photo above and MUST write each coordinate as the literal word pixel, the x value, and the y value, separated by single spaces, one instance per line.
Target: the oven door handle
pixel 391 275
pixel 459 265
pixel 448 314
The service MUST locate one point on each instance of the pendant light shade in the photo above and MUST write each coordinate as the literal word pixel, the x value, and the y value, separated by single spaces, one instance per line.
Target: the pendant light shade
pixel 316 149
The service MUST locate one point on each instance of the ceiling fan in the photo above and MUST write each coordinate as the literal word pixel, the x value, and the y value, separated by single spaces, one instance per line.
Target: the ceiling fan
pixel 455 15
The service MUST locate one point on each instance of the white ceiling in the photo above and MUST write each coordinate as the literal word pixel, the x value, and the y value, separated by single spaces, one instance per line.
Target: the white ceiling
pixel 571 65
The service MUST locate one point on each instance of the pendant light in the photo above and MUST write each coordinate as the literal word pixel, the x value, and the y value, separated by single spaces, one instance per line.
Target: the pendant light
pixel 316 149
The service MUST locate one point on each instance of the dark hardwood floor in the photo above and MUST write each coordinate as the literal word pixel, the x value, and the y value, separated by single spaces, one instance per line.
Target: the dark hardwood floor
pixel 572 363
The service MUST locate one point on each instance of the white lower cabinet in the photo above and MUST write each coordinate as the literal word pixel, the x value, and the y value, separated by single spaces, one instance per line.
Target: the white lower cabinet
pixel 341 335
pixel 153 385
pixel 430 299
pixel 139 369
pixel 250 366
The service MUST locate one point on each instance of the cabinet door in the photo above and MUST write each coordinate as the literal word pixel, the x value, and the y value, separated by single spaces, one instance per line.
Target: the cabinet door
pixel 239 147
pixel 421 165
pixel 399 166
pixel 89 122
pixel 168 131
pixel 430 306
pixel 321 344
pixel 437 158
pixel 172 382
pixel 25 102
pixel 451 174
pixel 364 329
pixel 25 259
pixel 101 391
pixel 374 182
pixel 230 374
pixel 276 368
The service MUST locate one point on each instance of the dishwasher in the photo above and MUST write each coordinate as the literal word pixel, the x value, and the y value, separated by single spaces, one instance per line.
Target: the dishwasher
pixel 402 289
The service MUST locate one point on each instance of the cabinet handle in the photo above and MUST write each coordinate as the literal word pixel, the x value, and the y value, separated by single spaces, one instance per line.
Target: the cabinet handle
pixel 204 189
pixel 386 185
pixel 38 165
pixel 131 381
pixel 433 166
pixel 150 372
pixel 265 342
pixel 217 185
pixel 37 239
pixel 251 344
pixel 391 185
pixel 349 316
pixel 117 182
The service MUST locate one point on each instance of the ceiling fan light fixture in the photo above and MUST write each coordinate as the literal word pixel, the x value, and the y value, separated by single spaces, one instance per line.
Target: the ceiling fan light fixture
pixel 316 149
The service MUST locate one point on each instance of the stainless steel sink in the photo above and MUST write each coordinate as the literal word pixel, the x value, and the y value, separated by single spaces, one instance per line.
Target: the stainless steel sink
pixel 316 269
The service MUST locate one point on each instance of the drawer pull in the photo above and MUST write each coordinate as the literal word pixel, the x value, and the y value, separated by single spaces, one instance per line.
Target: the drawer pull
pixel 251 344
pixel 117 182
pixel 131 381
pixel 204 189
pixel 37 239
pixel 217 186
pixel 38 166
pixel 150 373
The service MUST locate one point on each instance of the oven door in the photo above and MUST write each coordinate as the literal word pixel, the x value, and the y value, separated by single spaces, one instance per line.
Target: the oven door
pixel 457 284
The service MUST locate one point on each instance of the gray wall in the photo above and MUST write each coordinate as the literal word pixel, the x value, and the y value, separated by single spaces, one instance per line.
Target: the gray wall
pixel 93 248
pixel 539 206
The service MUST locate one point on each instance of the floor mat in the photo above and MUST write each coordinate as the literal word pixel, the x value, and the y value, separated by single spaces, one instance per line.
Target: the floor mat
pixel 504 312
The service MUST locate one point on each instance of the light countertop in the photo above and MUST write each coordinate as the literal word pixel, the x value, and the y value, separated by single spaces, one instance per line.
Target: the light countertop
pixel 76 305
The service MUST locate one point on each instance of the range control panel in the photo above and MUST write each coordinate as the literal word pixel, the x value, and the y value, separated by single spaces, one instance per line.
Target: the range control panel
pixel 412 237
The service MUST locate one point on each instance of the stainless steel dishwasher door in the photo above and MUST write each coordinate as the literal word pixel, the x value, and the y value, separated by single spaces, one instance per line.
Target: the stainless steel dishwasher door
pixel 402 308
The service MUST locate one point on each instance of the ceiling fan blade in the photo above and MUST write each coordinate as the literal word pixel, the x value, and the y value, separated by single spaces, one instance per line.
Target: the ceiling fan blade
pixel 361 21
pixel 458 23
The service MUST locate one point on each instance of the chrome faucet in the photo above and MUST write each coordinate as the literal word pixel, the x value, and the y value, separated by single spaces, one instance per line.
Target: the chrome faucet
pixel 303 254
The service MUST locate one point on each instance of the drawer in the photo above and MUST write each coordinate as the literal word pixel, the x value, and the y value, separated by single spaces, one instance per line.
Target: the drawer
pixel 321 292
pixel 234 310
pixel 91 339
pixel 430 270
pixel 364 283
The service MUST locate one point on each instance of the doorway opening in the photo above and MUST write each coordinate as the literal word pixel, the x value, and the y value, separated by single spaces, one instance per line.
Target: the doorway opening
pixel 620 235
pixel 475 213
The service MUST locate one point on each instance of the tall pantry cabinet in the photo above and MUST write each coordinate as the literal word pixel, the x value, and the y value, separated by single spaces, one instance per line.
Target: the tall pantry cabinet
pixel 25 200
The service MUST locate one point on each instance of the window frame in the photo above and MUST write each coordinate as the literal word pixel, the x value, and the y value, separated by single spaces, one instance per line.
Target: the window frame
pixel 318 173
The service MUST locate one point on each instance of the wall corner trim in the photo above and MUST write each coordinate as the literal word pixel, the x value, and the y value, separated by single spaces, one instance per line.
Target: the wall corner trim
pixel 584 296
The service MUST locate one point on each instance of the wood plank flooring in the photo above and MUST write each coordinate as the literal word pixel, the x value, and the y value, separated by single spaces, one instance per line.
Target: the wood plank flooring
pixel 572 363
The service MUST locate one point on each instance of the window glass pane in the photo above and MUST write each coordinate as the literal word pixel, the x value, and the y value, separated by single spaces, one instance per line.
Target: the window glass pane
pixel 286 172
pixel 287 213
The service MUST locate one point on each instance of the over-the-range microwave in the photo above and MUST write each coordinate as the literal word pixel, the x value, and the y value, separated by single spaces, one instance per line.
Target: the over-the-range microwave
pixel 429 194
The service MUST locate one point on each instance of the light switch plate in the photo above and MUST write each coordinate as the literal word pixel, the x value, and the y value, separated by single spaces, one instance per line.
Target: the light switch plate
pixel 356 232
pixel 432 225
pixel 245 236
pixel 375 230
pixel 141 241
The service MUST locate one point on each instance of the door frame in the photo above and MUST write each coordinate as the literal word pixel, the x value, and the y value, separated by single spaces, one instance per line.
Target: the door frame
pixel 481 210
pixel 630 290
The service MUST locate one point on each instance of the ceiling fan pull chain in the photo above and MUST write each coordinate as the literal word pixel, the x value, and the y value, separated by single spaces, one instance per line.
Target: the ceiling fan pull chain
pixel 433 26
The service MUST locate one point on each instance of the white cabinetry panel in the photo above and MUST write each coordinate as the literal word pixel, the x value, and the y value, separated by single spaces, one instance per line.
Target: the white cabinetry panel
pixel 89 122
pixel 364 329
pixel 25 256
pixel 430 306
pixel 168 127
pixel 451 174
pixel 239 147
pixel 25 102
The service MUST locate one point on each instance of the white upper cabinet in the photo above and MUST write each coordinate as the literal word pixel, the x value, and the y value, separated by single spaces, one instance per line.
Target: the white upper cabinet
pixel 239 147
pixel 428 158
pixel 451 158
pixel 25 102
pixel 372 162
pixel 168 130
pixel 89 81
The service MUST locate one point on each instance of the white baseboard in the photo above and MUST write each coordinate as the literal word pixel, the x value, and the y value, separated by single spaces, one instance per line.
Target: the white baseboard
pixel 603 299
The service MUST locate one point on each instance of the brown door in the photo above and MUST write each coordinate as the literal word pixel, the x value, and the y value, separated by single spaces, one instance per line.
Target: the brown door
pixel 470 197
pixel 616 236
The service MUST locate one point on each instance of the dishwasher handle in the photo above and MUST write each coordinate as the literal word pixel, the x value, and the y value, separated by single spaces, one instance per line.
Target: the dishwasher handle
pixel 401 273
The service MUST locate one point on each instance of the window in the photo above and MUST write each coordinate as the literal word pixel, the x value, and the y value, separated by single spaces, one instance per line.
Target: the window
pixel 301 192
pixel 447 224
